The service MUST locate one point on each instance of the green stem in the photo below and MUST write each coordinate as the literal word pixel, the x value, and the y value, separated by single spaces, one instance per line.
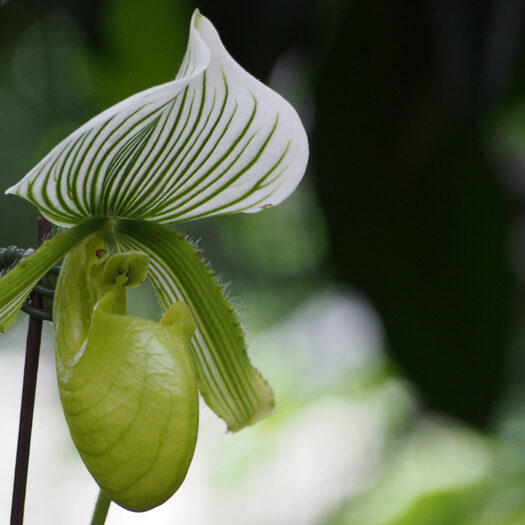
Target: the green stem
pixel 28 398
pixel 101 509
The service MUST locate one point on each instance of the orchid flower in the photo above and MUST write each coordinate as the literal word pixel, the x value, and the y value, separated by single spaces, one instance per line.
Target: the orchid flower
pixel 214 141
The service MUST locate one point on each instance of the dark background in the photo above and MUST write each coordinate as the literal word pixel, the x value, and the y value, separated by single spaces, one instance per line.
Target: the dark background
pixel 416 118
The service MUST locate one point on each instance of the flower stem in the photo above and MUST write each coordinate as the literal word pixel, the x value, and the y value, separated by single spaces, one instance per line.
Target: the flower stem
pixel 34 333
pixel 101 509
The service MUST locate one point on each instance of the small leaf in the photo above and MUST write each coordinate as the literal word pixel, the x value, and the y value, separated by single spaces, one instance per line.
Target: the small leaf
pixel 230 385
pixel 214 141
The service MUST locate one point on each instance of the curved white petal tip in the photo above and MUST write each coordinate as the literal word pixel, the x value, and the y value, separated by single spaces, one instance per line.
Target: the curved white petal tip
pixel 213 141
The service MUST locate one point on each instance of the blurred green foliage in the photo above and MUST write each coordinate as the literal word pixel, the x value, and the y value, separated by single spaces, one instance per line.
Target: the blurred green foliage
pixel 443 474
pixel 144 44
pixel 415 185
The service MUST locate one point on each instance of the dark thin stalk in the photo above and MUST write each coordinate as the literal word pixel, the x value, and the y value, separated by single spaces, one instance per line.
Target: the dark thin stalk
pixel 34 332
pixel 101 509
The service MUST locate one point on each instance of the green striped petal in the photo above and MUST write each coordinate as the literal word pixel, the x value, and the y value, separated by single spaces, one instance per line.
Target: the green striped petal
pixel 229 384
pixel 214 141
pixel 17 284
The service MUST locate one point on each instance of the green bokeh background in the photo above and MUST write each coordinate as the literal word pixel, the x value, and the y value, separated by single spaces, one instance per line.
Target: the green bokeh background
pixel 384 299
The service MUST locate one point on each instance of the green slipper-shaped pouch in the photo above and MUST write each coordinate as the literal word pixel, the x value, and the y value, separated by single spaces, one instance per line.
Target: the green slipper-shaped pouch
pixel 128 385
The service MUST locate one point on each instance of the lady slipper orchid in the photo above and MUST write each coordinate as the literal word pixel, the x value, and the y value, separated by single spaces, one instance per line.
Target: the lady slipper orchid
pixel 213 141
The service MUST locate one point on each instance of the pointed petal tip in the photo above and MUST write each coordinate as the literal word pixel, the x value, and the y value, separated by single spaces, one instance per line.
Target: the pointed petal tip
pixel 11 190
pixel 263 413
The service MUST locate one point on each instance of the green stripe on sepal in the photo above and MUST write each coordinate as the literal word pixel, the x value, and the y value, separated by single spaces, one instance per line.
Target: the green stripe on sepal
pixel 214 141
pixel 230 385
pixel 17 284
